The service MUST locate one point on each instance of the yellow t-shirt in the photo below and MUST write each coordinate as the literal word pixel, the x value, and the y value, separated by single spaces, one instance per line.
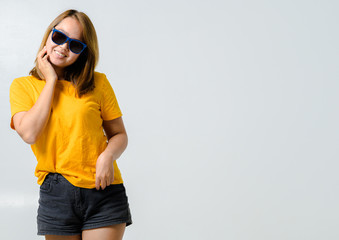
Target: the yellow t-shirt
pixel 73 138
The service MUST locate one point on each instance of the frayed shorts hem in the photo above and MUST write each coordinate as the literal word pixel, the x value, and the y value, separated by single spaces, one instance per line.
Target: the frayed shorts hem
pixel 106 224
pixel 57 233
pixel 89 227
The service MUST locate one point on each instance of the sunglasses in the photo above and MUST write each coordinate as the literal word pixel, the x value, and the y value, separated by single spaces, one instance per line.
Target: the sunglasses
pixel 74 45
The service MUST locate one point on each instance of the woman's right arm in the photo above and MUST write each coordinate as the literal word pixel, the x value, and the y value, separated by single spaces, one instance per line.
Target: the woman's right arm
pixel 30 124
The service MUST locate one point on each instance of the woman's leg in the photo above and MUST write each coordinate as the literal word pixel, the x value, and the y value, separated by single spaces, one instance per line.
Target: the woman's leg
pixel 57 237
pixel 113 232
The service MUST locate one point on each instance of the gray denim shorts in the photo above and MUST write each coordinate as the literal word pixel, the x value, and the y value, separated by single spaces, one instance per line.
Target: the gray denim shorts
pixel 68 210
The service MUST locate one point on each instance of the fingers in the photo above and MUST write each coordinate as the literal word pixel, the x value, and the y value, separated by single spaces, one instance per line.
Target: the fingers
pixel 99 181
pixel 97 184
pixel 42 53
pixel 45 66
pixel 103 182
pixel 104 171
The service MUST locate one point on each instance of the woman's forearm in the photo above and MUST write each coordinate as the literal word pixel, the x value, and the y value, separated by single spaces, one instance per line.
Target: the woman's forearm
pixel 116 145
pixel 34 121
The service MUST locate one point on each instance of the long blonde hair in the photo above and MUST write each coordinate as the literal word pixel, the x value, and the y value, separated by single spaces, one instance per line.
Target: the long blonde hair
pixel 80 73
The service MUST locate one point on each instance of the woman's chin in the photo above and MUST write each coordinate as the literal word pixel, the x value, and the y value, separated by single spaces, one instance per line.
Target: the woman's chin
pixel 57 63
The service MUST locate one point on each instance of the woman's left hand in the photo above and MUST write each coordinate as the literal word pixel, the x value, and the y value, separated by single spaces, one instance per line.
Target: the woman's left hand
pixel 117 142
pixel 104 171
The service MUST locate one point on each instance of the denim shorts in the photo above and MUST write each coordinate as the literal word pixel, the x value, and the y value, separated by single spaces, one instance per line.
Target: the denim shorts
pixel 68 210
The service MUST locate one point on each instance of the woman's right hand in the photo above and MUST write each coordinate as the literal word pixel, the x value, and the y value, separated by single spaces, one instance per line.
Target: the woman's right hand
pixel 45 66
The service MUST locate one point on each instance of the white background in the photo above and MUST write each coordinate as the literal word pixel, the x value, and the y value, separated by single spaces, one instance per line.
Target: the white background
pixel 230 106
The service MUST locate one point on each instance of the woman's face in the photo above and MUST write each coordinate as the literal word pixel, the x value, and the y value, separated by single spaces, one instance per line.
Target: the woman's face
pixel 60 55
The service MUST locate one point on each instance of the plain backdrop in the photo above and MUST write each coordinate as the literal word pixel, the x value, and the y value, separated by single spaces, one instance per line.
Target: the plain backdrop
pixel 231 108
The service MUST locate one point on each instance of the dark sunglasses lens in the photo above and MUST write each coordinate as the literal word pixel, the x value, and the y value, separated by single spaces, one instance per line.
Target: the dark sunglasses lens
pixel 58 38
pixel 76 47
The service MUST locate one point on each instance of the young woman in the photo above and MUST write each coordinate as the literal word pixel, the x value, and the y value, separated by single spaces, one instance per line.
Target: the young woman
pixel 70 116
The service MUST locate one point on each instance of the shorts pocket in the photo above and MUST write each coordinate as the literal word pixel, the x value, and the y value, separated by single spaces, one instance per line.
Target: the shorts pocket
pixel 46 185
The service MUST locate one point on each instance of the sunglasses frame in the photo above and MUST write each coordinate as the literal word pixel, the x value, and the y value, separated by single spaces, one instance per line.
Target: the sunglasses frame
pixel 69 40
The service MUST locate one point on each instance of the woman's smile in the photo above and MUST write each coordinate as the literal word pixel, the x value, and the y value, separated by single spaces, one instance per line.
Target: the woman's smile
pixel 59 54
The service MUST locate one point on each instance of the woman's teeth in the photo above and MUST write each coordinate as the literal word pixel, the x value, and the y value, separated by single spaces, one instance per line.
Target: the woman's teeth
pixel 60 54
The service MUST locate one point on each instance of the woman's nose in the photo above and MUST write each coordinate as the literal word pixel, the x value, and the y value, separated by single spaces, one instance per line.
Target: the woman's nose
pixel 65 45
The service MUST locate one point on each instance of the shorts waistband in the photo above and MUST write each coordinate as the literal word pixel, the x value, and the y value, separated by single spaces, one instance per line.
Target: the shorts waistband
pixel 56 177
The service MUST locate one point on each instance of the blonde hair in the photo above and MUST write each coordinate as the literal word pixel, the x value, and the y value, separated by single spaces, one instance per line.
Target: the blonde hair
pixel 80 73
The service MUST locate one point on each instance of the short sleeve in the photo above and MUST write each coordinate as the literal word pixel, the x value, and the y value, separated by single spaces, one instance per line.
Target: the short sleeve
pixel 19 98
pixel 109 105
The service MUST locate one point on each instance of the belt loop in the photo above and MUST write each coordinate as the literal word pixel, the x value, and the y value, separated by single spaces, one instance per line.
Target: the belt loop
pixel 55 177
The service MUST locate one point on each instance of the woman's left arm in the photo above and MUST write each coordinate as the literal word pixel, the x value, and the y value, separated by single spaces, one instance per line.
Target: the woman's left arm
pixel 117 143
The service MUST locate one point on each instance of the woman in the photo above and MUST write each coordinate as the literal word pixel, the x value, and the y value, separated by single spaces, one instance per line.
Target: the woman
pixel 70 116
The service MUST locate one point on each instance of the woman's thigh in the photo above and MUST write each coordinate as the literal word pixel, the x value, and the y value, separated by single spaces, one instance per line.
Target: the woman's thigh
pixel 113 232
pixel 57 237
